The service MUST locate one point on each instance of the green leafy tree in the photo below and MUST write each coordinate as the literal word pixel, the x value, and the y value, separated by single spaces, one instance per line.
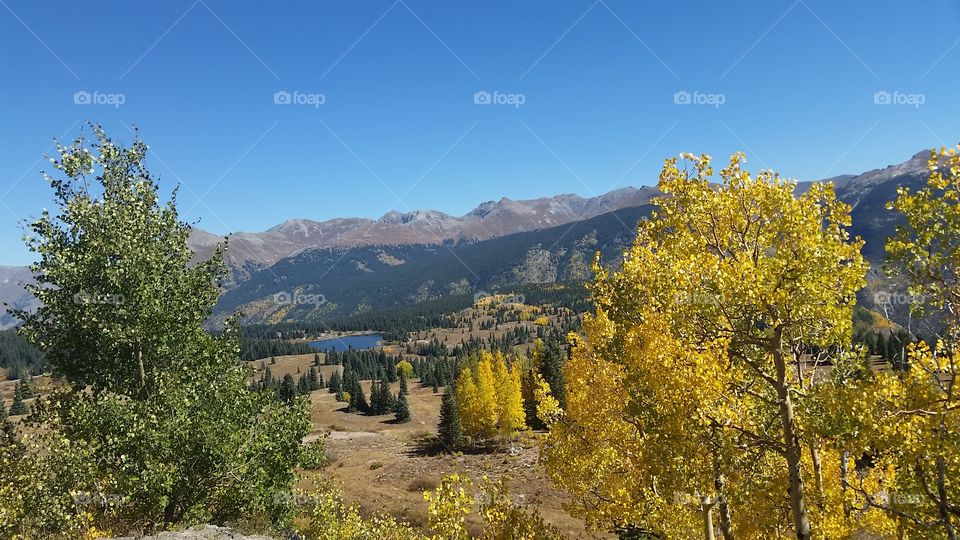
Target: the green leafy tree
pixel 170 423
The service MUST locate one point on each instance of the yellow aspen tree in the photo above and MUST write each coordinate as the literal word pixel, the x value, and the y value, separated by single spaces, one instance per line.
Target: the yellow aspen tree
pixel 906 423
pixel 731 283
pixel 466 393
pixel 511 415
pixel 486 398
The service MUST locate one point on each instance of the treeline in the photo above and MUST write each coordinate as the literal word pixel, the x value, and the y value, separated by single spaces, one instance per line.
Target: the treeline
pixel 892 346
pixel 255 347
pixel 394 324
pixel 19 357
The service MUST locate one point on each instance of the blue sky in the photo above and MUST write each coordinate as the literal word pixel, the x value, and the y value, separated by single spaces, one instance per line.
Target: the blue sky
pixel 792 83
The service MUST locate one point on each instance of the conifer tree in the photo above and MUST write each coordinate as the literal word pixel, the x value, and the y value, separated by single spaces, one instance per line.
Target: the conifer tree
pixel 3 411
pixel 449 429
pixel 336 383
pixel 19 407
pixel 550 366
pixel 26 388
pixel 403 384
pixel 391 369
pixel 402 409
pixel 314 379
pixel 288 391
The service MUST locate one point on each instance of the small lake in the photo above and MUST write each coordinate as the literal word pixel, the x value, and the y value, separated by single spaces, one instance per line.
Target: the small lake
pixel 342 343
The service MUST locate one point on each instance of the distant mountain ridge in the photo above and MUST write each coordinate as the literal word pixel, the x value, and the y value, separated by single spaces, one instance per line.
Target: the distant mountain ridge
pixel 532 241
pixel 250 252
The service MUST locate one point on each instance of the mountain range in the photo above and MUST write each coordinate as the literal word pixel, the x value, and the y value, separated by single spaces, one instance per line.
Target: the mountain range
pixel 304 269
pixel 250 252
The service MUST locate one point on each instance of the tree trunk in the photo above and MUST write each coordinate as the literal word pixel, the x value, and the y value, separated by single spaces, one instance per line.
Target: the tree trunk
pixel 942 495
pixel 791 442
pixel 707 505
pixel 143 373
pixel 844 482
pixel 726 525
pixel 817 472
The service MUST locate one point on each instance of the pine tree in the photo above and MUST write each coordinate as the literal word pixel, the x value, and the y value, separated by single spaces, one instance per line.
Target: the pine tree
pixel 314 379
pixel 391 369
pixel 3 411
pixel 881 344
pixel 316 359
pixel 288 391
pixel 403 384
pixel 358 401
pixel 550 366
pixel 26 389
pixel 336 383
pixel 402 409
pixel 19 407
pixel 449 429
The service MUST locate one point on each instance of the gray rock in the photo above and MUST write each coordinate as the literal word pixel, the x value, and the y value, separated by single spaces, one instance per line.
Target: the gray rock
pixel 207 532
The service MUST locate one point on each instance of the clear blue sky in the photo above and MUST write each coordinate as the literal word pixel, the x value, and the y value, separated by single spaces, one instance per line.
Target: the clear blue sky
pixel 597 79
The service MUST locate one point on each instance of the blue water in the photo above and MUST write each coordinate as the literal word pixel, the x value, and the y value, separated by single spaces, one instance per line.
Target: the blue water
pixel 366 341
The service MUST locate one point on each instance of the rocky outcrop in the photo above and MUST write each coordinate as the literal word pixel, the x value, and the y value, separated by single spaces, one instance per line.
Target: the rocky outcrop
pixel 208 532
